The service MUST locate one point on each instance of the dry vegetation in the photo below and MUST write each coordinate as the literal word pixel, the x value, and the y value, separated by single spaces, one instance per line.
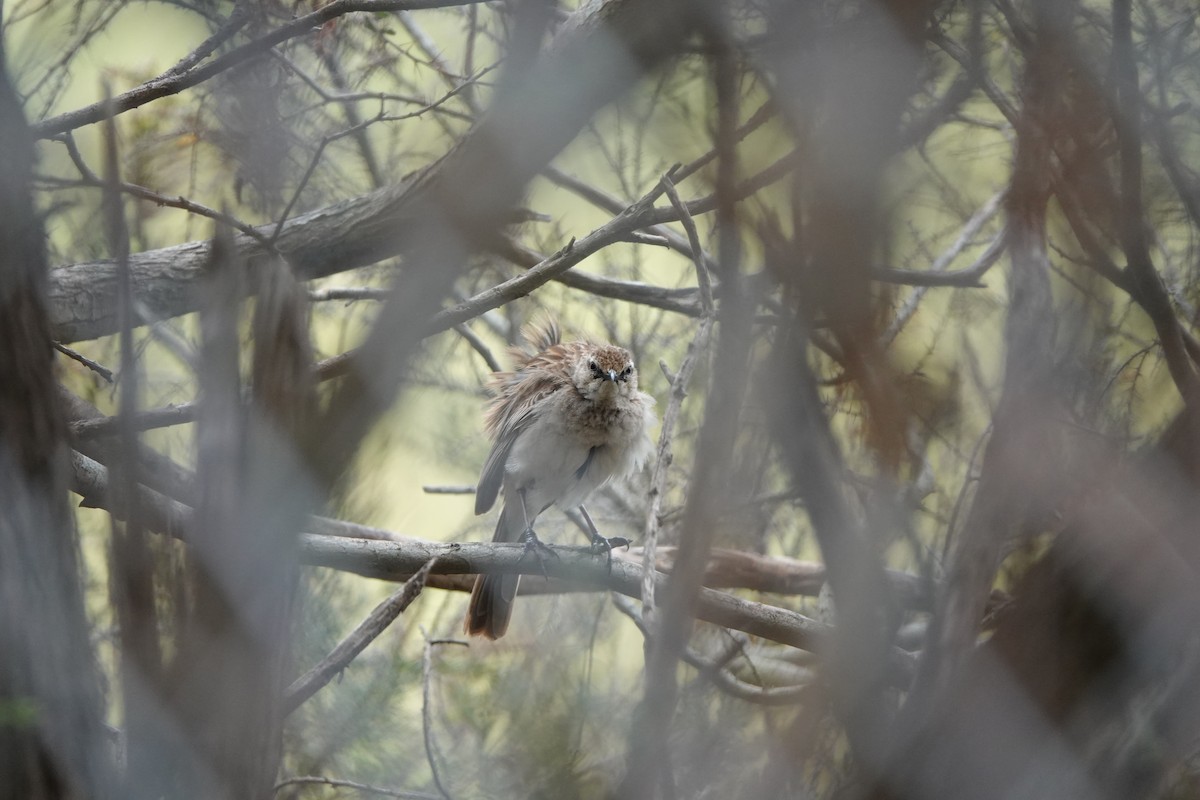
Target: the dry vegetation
pixel 913 282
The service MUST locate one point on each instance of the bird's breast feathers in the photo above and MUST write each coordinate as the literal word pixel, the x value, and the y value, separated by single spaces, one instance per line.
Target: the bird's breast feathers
pixel 552 452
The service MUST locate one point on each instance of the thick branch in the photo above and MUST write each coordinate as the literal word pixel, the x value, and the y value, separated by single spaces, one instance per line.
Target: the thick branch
pixel 398 560
pixel 737 569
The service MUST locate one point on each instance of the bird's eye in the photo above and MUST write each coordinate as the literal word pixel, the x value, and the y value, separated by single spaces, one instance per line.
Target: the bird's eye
pixel 592 366
pixel 628 370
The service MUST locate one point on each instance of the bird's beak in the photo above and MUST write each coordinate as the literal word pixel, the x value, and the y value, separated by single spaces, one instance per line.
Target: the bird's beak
pixel 612 375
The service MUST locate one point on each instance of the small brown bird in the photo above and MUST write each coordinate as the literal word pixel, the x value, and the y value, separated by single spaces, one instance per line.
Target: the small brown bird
pixel 565 421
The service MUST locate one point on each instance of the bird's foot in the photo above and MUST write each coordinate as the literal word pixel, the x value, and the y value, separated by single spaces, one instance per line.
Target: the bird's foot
pixel 606 546
pixel 536 546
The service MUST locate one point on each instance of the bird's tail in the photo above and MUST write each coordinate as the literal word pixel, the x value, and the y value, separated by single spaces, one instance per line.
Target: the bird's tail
pixel 492 598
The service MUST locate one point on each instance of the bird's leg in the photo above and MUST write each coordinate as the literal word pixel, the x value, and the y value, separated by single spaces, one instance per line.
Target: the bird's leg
pixel 599 543
pixel 530 540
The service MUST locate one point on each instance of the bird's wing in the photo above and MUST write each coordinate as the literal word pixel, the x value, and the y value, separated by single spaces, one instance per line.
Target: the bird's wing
pixel 513 409
pixel 492 476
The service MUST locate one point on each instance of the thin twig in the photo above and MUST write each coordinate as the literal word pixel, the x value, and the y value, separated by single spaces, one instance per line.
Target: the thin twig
pixel 349 293
pixel 236 20
pixel 95 366
pixel 431 753
pixel 360 787
pixel 689 225
pixel 170 82
pixel 1132 224
pixel 479 346
pixel 448 489
pixel 90 178
pixel 664 457
pixel 714 670
pixel 356 641
pixel 965 236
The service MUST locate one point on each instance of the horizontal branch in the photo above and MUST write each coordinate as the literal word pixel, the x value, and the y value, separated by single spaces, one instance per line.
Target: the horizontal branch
pixel 726 569
pixel 738 569
pixel 399 560
pixel 145 420
pixel 358 786
pixel 577 565
pixel 349 234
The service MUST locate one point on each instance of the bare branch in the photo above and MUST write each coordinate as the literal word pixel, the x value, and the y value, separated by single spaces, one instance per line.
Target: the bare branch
pixel 400 560
pixel 355 642
pixel 394 560
pixel 95 366
pixel 355 785
pixel 431 753
pixel 183 76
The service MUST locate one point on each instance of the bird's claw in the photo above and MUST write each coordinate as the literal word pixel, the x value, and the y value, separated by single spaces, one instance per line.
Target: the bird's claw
pixel 602 545
pixel 536 546
pixel 606 546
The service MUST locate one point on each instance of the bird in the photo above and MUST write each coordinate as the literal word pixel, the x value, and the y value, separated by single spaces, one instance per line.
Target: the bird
pixel 567 419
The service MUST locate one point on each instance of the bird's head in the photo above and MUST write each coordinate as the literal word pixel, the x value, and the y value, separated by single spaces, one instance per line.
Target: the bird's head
pixel 605 372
